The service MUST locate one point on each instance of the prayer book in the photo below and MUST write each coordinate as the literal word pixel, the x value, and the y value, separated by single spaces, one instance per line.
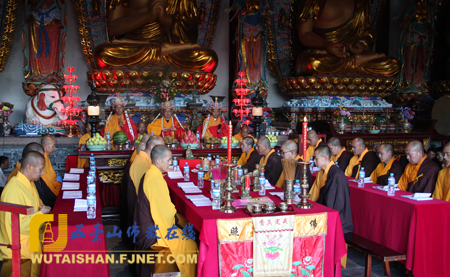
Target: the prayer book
pixel 70 186
pixel 76 170
pixel 72 194
pixel 419 196
pixel 71 177
pixel 80 205
pixel 175 175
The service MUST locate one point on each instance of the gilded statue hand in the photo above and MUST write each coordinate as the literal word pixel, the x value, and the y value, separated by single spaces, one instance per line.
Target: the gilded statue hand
pixel 357 48
pixel 336 49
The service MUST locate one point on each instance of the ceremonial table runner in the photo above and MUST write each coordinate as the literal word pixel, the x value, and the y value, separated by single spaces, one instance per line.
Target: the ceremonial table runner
pixel 273 246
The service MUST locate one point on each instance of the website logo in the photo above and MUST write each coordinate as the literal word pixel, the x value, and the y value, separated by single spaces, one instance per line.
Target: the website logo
pixel 50 244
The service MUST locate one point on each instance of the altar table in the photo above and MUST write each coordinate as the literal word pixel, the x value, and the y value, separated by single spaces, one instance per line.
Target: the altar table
pixel 204 220
pixel 87 245
pixel 419 229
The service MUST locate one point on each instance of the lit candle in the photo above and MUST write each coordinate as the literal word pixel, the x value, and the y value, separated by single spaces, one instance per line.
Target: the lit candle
pixel 305 130
pixel 230 135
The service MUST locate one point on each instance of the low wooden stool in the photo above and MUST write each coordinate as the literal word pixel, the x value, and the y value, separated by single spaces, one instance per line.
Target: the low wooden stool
pixel 374 249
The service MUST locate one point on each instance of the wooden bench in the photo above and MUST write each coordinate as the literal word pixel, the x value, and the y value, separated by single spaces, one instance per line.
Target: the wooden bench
pixel 374 249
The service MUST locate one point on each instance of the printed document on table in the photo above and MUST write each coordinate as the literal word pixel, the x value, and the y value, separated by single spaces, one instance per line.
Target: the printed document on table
pixel 76 170
pixel 72 194
pixel 70 186
pixel 80 205
pixel 71 177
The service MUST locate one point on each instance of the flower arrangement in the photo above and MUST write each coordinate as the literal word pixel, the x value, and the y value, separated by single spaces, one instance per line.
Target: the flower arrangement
pixel 6 108
pixel 162 88
pixel 341 113
pixel 267 112
pixel 406 114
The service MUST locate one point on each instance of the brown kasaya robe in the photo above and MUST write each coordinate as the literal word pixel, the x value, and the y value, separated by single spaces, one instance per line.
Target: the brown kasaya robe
pixel 344 159
pixel 397 169
pixel 252 161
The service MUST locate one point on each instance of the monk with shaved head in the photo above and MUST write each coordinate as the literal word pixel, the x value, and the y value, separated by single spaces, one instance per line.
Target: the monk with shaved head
pixel 314 141
pixel 289 151
pixel 245 130
pixel 21 190
pixel 338 153
pixel 387 165
pixel 50 177
pixel 269 160
pixel 154 207
pixel 361 158
pixel 420 174
pixel 331 187
pixel 249 157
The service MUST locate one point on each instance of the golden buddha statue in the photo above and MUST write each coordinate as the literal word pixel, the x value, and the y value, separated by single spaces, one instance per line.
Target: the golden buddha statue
pixel 154 32
pixel 338 35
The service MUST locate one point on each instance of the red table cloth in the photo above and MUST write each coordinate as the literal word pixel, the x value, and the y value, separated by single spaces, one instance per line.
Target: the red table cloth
pixel 204 220
pixel 87 245
pixel 419 229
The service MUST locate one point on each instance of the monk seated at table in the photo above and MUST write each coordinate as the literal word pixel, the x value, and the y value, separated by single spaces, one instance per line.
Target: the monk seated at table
pixel 361 158
pixel 442 190
pixel 269 160
pixel 315 141
pixel 84 162
pixel 120 121
pixel 141 129
pixel 387 166
pixel 168 125
pixel 332 187
pixel 339 153
pixel 249 157
pixel 50 177
pixel 242 133
pixel 215 127
pixel 155 208
pixel 21 190
pixel 289 151
pixel 421 173
pixel 45 193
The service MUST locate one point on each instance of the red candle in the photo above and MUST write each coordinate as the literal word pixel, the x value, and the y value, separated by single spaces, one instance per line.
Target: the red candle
pixel 305 130
pixel 230 134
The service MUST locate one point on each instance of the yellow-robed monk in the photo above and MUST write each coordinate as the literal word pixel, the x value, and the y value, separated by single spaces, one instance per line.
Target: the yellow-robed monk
pixel 242 133
pixel 249 157
pixel 289 151
pixel 120 121
pixel 22 191
pixel 442 189
pixel 83 162
pixel 50 176
pixel 362 158
pixel 387 166
pixel 215 126
pixel 138 148
pixel 164 214
pixel 315 141
pixel 143 161
pixel 168 124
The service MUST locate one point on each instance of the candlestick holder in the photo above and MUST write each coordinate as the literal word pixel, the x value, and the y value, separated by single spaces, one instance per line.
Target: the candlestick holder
pixel 289 191
pixel 256 174
pixel 228 199
pixel 304 204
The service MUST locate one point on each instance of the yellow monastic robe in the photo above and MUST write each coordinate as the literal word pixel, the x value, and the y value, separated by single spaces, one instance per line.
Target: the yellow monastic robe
pixel 354 161
pixel 310 151
pixel 335 158
pixel 442 189
pixel 238 136
pixel 22 192
pixel 244 157
pixel 138 168
pixel 163 213
pixel 321 179
pixel 14 172
pixel 381 170
pixel 82 162
pixel 49 176
pixel 410 174
pixel 134 155
pixel 213 123
pixel 113 125
pixel 280 182
pixel 263 160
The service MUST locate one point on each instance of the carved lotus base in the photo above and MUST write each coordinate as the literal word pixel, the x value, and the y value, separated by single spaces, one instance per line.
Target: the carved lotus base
pixel 339 86
pixel 118 80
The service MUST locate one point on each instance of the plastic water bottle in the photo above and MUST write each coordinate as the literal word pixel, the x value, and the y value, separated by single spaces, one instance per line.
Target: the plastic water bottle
pixel 215 191
pixel 391 185
pixel 108 141
pixel 175 164
pixel 187 176
pixel 278 152
pixel 209 157
pixel 311 164
pixel 217 160
pixel 297 190
pixel 152 134
pixel 240 172
pixel 262 184
pixel 91 206
pixel 198 136
pixel 362 175
pixel 200 176
pixel 92 158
